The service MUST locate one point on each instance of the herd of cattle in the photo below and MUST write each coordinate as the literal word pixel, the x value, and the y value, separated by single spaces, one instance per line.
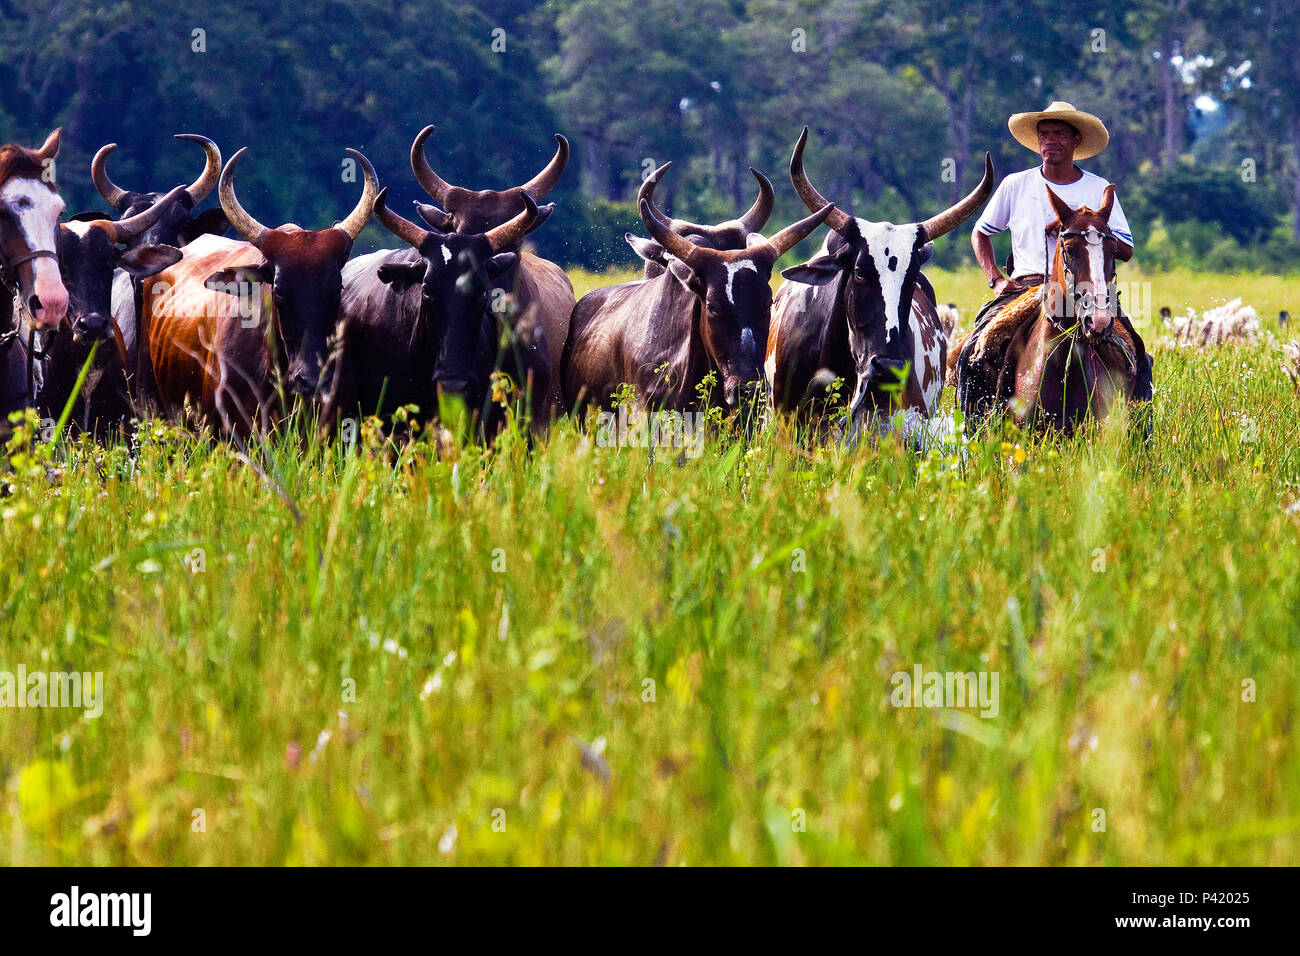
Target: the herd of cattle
pixel 187 322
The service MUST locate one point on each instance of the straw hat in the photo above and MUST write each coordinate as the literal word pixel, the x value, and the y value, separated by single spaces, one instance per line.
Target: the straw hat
pixel 1024 127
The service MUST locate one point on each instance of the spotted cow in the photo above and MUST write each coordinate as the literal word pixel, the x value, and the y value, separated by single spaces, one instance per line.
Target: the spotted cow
pixel 862 312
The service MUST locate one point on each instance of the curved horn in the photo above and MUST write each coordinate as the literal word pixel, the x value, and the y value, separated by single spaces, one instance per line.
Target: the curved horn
pixel 50 148
pixel 647 192
pixel 647 188
pixel 365 206
pixel 246 225
pixel 403 229
pixel 111 192
pixel 758 214
pixel 791 235
pixel 201 187
pixel 429 181
pixel 509 233
pixel 663 233
pixel 124 230
pixel 954 216
pixel 545 181
pixel 838 220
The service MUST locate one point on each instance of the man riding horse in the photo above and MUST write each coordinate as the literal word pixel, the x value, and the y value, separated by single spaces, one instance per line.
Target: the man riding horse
pixel 1053 344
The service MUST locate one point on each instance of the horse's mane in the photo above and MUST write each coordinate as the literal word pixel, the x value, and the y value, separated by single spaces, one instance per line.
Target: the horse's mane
pixel 1002 327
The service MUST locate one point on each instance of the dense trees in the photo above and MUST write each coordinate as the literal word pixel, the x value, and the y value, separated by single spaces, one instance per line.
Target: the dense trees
pixel 1202 98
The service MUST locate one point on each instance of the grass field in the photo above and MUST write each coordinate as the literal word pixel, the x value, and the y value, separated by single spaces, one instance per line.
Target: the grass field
pixel 579 654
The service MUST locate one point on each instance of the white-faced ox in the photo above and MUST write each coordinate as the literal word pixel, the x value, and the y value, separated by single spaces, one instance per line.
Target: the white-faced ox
pixel 419 322
pixel 861 311
pixel 708 312
pixel 89 256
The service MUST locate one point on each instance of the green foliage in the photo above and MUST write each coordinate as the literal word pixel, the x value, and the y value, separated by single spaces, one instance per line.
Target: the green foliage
pixel 1216 197
pixel 622 658
pixel 902 98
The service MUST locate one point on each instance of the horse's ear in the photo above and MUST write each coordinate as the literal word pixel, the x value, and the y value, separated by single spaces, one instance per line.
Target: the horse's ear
pixel 1107 203
pixel 1063 209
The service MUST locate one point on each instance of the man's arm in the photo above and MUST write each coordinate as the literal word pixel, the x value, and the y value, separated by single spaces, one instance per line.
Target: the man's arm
pixel 988 261
pixel 1123 232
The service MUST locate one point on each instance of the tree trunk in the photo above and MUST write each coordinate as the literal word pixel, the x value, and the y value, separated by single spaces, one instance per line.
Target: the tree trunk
pixel 1169 87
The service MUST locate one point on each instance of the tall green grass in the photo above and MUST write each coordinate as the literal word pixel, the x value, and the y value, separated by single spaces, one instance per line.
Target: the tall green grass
pixel 414 652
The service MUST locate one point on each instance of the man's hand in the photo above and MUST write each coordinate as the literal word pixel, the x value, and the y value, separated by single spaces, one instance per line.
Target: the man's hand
pixel 989 263
pixel 1005 283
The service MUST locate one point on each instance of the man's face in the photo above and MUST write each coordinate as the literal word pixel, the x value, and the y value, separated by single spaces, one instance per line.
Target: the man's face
pixel 1057 141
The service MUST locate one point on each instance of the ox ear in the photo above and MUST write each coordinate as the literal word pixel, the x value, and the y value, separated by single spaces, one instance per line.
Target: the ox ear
pixel 435 217
pixel 543 214
pixel 145 261
pixel 228 280
pixel 211 222
pixel 402 274
pixel 647 249
pixel 925 253
pixel 816 271
pixel 687 276
pixel 500 263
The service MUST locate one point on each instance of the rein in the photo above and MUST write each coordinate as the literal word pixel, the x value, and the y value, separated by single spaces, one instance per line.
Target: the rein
pixel 35 352
pixel 9 279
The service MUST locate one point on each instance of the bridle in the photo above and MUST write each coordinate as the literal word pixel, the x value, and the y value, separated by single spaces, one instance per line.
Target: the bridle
pixel 9 270
pixel 1093 236
pixel 9 280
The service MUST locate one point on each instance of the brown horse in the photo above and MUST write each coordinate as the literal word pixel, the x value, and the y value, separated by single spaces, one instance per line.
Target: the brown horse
pixel 30 284
pixel 1062 352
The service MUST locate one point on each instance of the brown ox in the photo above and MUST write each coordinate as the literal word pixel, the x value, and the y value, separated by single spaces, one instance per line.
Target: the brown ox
pixel 236 324
pixel 542 294
pixel 861 311
pixel 419 322
pixel 708 312
pixel 1062 352
pixel 178 225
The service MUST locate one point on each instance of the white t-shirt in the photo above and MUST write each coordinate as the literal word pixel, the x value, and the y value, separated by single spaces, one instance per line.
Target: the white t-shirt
pixel 1021 204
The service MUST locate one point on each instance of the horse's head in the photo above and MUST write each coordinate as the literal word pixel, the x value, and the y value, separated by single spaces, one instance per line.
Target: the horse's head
pixel 1079 285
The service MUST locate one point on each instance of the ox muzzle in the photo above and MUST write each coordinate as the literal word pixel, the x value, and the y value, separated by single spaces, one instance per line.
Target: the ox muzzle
pixel 93 327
